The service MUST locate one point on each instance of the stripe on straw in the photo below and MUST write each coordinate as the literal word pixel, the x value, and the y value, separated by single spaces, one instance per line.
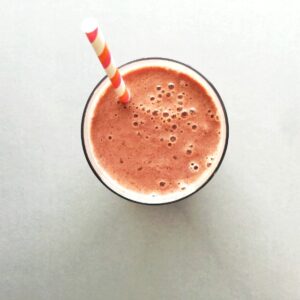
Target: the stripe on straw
pixel 105 57
pixel 98 44
pixel 116 79
pixel 121 88
pixel 111 70
pixel 91 29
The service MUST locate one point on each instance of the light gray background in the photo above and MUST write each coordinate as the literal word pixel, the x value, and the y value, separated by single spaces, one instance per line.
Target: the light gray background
pixel 64 236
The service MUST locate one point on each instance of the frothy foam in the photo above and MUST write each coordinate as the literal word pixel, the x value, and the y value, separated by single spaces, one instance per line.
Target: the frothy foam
pixel 177 111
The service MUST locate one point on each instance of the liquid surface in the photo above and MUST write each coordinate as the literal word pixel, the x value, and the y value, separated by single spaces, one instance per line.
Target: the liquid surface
pixel 164 139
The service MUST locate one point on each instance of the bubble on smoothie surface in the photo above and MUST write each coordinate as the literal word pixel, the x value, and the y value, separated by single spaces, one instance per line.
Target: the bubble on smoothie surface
pixel 158 87
pixel 173 138
pixel 165 114
pixel 171 85
pixel 192 110
pixel 135 124
pixel 162 183
pixel 209 160
pixel 182 185
pixel 194 167
pixel 188 151
pixel 179 96
pixel 184 114
pixel 152 98
pixel 168 94
pixel 194 127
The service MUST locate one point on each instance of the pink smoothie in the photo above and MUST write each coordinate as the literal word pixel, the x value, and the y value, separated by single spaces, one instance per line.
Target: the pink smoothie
pixel 167 134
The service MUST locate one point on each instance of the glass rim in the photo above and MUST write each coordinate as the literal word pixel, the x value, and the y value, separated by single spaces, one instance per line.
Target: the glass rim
pixel 223 152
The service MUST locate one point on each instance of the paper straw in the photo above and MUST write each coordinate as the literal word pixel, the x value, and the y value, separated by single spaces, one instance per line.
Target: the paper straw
pixel 94 35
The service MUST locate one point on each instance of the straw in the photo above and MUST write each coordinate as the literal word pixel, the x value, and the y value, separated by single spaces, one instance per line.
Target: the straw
pixel 94 35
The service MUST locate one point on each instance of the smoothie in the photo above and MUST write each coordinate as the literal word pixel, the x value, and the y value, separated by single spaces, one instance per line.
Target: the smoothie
pixel 164 139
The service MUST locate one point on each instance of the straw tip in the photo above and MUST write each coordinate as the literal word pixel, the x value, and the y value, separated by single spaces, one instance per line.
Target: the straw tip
pixel 89 25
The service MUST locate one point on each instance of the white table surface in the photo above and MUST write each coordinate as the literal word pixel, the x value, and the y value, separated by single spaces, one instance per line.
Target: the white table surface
pixel 65 236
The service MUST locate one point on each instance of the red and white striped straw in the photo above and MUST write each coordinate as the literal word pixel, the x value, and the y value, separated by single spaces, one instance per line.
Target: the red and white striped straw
pixel 91 29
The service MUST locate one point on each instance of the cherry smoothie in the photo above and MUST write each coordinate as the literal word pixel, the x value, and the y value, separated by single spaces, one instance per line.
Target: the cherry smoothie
pixel 164 139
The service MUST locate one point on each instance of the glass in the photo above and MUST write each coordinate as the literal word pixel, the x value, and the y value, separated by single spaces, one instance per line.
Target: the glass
pixel 114 186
